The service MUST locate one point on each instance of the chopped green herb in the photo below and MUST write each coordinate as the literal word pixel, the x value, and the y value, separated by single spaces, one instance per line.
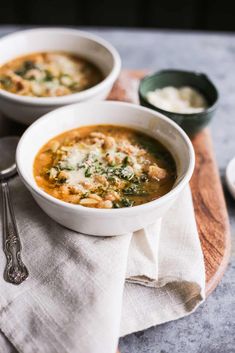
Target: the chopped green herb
pixel 48 76
pixel 126 202
pixel 126 173
pixel 116 205
pixel 26 66
pixel 6 82
pixel 88 172
pixel 134 190
pixel 81 165
pixel 125 161
pixel 69 167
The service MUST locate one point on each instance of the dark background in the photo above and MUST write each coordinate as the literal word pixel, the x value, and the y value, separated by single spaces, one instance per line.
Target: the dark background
pixel 212 15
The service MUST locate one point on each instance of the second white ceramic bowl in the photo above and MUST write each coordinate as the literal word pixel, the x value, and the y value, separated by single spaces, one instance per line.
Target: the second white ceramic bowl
pixel 230 177
pixel 27 109
pixel 102 221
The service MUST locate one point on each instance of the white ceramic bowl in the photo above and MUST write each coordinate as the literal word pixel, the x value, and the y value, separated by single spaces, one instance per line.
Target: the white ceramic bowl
pixel 102 221
pixel 230 177
pixel 27 109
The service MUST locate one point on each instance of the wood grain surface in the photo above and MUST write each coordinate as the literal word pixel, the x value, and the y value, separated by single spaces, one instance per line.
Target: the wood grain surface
pixel 209 204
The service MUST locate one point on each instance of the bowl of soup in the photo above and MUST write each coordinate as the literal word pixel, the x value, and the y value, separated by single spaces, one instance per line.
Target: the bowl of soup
pixel 43 69
pixel 105 168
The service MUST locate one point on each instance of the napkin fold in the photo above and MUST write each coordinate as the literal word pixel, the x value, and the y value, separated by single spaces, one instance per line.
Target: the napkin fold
pixel 84 292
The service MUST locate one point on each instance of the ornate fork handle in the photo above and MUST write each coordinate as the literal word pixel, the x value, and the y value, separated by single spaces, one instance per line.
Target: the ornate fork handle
pixel 15 271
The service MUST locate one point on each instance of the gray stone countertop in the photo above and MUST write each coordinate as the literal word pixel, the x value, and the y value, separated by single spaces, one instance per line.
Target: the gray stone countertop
pixel 211 328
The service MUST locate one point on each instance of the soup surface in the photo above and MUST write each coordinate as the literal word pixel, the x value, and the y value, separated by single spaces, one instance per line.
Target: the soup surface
pixel 48 74
pixel 105 166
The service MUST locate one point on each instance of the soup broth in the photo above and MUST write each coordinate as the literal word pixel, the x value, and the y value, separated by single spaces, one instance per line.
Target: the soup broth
pixel 105 166
pixel 48 74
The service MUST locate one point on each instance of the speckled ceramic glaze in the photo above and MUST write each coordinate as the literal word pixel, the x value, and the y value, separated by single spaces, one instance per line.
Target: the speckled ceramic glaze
pixel 191 123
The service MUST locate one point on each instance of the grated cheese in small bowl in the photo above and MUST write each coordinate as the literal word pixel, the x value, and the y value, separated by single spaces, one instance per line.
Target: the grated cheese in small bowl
pixel 185 100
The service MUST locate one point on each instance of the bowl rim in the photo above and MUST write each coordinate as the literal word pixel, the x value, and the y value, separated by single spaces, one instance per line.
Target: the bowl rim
pixel 163 199
pixel 70 98
pixel 228 171
pixel 209 109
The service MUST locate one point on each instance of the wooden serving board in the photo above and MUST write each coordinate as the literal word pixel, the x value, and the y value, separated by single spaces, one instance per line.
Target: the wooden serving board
pixel 209 204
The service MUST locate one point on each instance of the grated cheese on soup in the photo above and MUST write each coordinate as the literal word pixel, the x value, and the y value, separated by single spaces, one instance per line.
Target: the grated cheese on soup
pixel 184 100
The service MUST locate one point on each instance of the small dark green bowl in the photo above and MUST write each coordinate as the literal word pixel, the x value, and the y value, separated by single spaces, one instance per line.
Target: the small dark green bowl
pixel 191 123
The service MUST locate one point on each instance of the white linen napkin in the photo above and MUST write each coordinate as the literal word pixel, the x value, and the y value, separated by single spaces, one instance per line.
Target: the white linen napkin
pixel 84 292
